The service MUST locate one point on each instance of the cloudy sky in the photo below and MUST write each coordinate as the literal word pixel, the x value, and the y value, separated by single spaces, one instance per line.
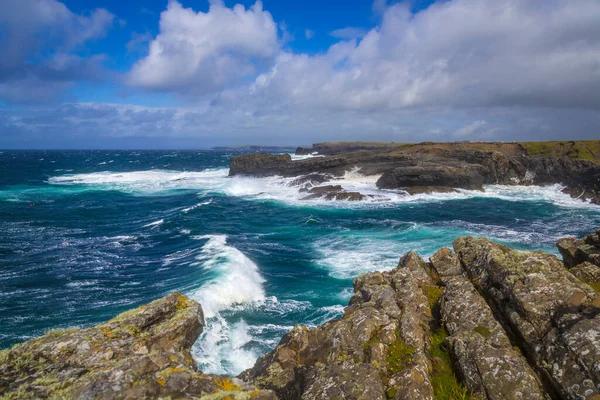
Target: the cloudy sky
pixel 197 73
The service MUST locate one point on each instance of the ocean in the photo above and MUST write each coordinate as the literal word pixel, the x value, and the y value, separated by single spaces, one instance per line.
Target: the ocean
pixel 85 235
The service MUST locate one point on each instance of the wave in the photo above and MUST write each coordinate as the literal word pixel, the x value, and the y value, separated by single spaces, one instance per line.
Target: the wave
pixel 155 223
pixel 204 203
pixel 236 281
pixel 216 180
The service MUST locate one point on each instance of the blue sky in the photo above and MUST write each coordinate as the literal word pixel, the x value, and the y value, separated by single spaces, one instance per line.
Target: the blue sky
pixel 191 74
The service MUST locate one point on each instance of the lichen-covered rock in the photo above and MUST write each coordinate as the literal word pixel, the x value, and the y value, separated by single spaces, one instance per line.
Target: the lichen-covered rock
pixel 379 347
pixel 575 251
pixel 554 314
pixel 143 353
pixel 489 366
pixel 587 272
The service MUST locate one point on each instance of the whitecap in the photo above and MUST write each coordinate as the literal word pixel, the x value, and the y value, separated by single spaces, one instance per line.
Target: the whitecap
pixel 155 223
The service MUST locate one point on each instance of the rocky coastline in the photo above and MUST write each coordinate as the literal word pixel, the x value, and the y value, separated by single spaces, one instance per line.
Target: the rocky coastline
pixel 437 167
pixel 479 321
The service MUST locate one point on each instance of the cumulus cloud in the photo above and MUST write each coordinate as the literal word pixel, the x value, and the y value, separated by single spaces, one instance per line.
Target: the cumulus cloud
pixel 462 53
pixel 37 41
pixel 202 52
pixel 309 34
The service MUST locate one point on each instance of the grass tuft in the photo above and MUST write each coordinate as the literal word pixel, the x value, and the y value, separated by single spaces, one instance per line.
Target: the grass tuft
pixel 444 381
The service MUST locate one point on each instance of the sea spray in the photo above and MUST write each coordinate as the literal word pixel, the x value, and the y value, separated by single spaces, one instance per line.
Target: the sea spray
pixel 236 281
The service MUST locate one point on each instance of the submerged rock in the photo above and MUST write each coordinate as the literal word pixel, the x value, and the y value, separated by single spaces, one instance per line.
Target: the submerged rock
pixel 333 192
pixel 143 353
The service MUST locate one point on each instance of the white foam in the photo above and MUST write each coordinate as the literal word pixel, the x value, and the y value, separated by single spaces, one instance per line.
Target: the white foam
pixel 155 223
pixel 236 281
pixel 204 203
pixel 161 182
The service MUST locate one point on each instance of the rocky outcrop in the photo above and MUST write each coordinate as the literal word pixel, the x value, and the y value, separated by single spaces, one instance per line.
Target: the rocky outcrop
pixel 483 322
pixel 333 192
pixel 258 164
pixel 485 358
pixel 379 348
pixel 143 353
pixel 576 251
pixel 554 316
pixel 428 167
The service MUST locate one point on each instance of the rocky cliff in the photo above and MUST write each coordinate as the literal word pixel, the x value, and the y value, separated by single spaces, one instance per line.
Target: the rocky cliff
pixel 430 167
pixel 479 321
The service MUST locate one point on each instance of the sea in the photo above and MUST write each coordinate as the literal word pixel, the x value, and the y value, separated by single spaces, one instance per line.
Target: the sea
pixel 85 235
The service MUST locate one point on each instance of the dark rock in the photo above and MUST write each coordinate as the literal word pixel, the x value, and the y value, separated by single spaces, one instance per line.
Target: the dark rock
pixel 308 181
pixel 431 176
pixel 554 314
pixel 257 164
pixel 427 167
pixel 333 192
pixel 143 353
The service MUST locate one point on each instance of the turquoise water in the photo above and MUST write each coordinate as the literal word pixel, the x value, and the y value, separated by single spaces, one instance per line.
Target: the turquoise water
pixel 86 235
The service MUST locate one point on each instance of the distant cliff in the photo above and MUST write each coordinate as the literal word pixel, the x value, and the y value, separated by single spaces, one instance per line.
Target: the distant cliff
pixel 480 322
pixel 443 167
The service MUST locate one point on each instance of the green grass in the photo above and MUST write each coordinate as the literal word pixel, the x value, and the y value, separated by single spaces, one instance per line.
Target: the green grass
pixel 433 294
pixel 580 149
pixel 399 356
pixel 445 384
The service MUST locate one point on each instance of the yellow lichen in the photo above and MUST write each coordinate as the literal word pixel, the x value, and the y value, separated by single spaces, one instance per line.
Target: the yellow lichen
pixel 226 384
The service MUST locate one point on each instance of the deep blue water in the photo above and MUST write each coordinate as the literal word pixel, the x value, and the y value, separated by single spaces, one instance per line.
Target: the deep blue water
pixel 85 235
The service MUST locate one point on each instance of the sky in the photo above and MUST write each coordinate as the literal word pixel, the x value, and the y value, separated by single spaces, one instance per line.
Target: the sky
pixel 196 73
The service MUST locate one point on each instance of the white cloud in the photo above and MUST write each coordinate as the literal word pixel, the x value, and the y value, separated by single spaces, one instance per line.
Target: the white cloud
pixel 199 53
pixel 462 53
pixel 48 32
pixel 309 34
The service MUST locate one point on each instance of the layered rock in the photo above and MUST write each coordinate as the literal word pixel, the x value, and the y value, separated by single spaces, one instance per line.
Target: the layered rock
pixel 378 349
pixel 555 317
pixel 485 358
pixel 143 353
pixel 428 167
pixel 577 251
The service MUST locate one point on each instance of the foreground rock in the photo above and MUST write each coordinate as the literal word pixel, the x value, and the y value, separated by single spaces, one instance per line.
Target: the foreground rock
pixel 143 353
pixel 577 251
pixel 554 316
pixel 485 357
pixel 379 349
pixel 438 167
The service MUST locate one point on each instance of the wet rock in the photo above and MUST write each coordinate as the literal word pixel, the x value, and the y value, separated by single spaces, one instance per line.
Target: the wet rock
pixel 482 352
pixel 308 181
pixel 555 316
pixel 143 353
pixel 379 346
pixel 333 192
